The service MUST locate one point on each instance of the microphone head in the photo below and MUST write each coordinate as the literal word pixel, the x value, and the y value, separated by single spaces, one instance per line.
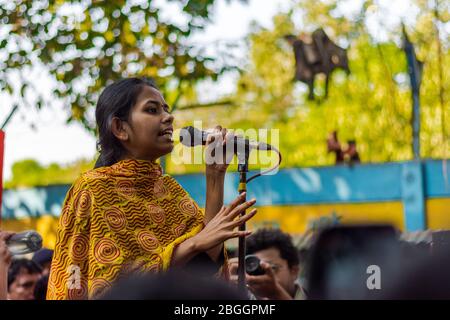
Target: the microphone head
pixel 24 242
pixel 190 136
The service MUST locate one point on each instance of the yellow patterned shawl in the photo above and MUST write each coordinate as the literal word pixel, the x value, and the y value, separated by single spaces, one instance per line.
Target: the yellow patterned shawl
pixel 118 219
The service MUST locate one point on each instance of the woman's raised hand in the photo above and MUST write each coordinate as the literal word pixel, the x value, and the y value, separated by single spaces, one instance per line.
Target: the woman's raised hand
pixel 223 226
pixel 216 141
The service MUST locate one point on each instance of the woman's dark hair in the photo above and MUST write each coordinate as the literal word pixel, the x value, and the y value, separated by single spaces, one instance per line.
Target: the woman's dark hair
pixel 116 100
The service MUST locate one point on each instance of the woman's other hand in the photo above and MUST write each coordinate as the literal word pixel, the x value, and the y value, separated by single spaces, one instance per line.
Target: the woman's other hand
pixel 223 226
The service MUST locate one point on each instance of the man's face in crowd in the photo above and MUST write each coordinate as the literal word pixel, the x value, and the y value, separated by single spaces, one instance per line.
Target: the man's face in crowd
pixel 286 276
pixel 23 287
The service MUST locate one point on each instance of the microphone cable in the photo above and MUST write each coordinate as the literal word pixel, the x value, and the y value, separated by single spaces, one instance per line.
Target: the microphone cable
pixel 268 170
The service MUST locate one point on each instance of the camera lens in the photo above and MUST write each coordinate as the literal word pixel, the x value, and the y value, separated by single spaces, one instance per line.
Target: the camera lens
pixel 252 265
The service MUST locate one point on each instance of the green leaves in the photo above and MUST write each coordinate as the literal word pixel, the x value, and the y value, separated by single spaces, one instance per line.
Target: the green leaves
pixel 372 105
pixel 89 43
pixel 30 173
pixel 97 42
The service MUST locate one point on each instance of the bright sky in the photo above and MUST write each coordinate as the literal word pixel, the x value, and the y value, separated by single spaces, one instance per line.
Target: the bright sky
pixel 51 140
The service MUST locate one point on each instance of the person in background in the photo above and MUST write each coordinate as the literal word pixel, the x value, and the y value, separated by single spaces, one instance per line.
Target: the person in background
pixel 175 284
pixel 280 262
pixel 40 290
pixel 425 277
pixel 43 258
pixel 5 261
pixel 333 145
pixel 351 154
pixel 303 254
pixel 23 275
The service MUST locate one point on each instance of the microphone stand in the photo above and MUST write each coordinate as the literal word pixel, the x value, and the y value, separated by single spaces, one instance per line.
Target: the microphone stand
pixel 243 169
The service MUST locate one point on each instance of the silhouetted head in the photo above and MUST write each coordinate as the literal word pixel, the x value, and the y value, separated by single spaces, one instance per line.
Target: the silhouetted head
pixel 172 285
pixel 424 278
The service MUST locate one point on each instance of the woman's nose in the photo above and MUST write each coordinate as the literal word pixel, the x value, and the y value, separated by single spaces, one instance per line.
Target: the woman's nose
pixel 168 118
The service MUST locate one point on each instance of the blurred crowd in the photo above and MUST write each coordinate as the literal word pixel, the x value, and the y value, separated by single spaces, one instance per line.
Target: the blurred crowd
pixel 23 277
pixel 326 266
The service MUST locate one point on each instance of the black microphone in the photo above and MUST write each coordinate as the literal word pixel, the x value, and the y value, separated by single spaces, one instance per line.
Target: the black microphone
pixel 190 136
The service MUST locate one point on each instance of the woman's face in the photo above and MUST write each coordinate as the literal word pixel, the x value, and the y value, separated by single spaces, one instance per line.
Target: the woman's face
pixel 149 126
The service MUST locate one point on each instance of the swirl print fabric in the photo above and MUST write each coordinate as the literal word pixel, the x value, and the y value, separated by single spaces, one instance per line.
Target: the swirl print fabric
pixel 115 220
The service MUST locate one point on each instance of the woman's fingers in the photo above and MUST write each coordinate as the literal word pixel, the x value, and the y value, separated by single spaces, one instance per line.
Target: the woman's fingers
pixel 244 218
pixel 233 224
pixel 217 133
pixel 236 211
pixel 224 135
pixel 238 200
pixel 241 233
pixel 230 148
pixel 212 137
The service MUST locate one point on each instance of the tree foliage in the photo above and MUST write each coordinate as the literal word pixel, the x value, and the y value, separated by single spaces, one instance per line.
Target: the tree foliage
pixel 30 173
pixel 85 45
pixel 372 105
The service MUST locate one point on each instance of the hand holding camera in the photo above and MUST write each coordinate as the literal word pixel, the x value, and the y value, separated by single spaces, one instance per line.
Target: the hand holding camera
pixel 260 279
pixel 253 266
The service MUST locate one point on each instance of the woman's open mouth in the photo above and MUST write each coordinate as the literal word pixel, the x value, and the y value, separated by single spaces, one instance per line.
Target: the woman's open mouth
pixel 167 133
